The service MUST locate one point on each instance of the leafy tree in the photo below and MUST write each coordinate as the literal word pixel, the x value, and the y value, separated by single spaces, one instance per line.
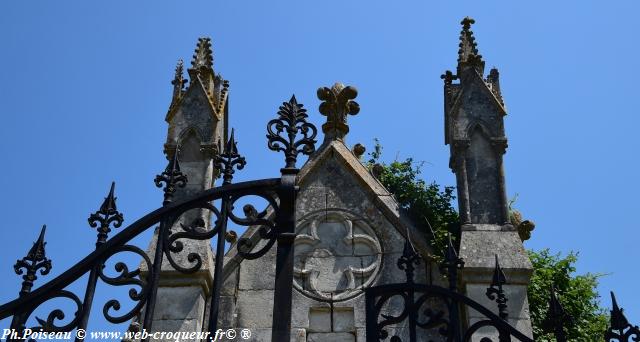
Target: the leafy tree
pixel 429 205
pixel 577 294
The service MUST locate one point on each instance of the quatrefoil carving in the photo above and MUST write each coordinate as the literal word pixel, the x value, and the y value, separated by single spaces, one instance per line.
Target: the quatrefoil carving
pixel 337 255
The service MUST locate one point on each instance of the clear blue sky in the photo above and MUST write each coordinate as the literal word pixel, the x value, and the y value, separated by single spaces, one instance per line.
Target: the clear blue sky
pixel 85 88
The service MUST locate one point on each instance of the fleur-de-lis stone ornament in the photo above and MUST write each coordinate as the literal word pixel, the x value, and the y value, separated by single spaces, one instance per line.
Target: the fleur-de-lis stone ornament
pixel 34 261
pixel 337 104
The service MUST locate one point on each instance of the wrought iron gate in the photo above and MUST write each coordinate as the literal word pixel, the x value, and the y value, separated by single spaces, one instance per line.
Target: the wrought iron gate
pixel 292 134
pixel 289 133
pixel 449 320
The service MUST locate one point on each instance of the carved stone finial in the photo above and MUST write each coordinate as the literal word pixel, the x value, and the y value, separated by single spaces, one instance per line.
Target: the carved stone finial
pixel 337 104
pixel 203 56
pixel 178 83
pixel 468 52
pixel 178 79
pixel 359 150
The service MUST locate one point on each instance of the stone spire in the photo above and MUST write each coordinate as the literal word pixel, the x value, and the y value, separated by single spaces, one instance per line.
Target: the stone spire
pixel 197 119
pixel 468 53
pixel 201 108
pixel 474 130
pixel 178 84
pixel 202 58
pixel 337 104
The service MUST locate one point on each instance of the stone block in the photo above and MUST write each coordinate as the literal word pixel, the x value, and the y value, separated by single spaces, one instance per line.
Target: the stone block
pixel 175 303
pixel 331 337
pixel 255 308
pixel 319 319
pixel 227 314
pixel 172 326
pixel 258 274
pixel 343 320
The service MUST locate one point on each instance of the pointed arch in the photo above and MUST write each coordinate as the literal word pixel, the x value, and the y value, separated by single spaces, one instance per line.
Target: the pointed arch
pixel 190 141
pixel 479 127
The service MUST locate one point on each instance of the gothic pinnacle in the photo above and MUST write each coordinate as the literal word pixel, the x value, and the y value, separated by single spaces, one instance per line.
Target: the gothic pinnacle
pixel 468 52
pixel 203 56
pixel 178 79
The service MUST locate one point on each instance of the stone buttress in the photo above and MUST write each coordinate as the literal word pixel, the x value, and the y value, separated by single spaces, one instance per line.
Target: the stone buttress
pixel 474 130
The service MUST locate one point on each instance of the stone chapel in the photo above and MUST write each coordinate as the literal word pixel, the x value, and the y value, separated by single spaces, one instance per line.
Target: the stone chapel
pixel 350 229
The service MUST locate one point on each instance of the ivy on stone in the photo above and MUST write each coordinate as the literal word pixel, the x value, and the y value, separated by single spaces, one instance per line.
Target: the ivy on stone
pixel 428 204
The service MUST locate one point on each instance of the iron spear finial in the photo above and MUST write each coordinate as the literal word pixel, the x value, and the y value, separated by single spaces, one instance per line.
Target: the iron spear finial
pixel 495 290
pixel 451 264
pixel 172 178
pixel 107 215
pixel 556 317
pixel 34 260
pixel 226 160
pixel 620 329
pixel 408 259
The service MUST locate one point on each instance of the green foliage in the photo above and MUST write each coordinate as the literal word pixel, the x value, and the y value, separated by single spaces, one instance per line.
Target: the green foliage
pixel 577 293
pixel 428 205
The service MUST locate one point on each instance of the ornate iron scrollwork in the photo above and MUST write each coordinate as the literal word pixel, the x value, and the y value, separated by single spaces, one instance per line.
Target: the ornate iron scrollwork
pixel 126 277
pixel 415 297
pixel 49 324
pixel 292 119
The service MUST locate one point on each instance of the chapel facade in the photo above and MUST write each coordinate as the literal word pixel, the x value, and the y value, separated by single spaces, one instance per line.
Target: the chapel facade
pixel 350 229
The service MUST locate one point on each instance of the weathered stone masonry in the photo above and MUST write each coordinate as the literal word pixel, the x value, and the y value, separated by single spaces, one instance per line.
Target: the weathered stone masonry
pixel 350 229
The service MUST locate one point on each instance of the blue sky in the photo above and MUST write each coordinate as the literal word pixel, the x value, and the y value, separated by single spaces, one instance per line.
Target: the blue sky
pixel 85 87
